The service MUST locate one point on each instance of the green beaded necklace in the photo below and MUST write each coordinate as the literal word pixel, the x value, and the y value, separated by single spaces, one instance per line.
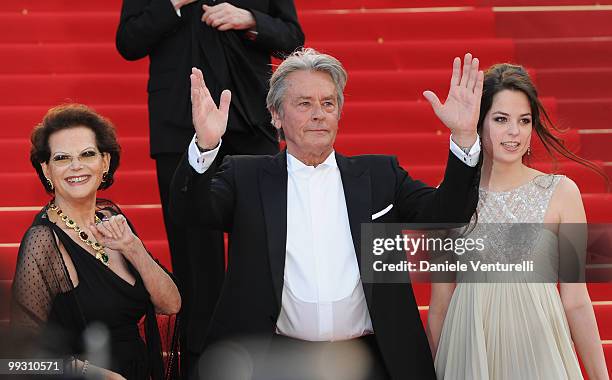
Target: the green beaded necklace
pixel 97 247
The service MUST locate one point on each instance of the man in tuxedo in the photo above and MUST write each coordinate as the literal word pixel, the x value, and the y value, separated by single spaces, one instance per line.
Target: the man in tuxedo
pixel 294 221
pixel 232 43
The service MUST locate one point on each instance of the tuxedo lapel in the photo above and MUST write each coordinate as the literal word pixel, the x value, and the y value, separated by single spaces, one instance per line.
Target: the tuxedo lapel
pixel 273 187
pixel 358 197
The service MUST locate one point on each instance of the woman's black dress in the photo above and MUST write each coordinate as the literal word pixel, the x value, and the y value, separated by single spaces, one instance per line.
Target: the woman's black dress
pixel 45 301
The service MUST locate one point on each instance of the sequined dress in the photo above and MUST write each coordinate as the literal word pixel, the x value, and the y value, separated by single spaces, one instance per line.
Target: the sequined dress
pixel 509 330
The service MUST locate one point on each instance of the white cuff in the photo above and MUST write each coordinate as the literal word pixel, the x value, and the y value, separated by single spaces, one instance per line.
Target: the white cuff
pixel 200 162
pixel 470 159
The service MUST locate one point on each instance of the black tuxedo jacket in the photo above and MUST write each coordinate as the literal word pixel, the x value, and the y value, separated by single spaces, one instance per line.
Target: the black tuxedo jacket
pixel 247 197
pixel 229 60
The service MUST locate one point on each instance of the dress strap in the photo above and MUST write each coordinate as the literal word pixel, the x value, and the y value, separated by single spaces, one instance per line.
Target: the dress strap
pixel 544 187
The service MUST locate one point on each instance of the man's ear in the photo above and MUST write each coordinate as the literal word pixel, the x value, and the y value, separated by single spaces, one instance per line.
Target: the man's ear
pixel 276 120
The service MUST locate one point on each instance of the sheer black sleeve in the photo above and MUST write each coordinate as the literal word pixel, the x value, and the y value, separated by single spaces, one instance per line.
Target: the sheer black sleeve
pixel 39 277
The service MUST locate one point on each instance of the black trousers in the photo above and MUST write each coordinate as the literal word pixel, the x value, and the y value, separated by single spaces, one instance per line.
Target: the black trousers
pixel 197 253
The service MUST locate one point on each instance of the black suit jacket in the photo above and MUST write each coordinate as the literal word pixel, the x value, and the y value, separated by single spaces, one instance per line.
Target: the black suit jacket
pixel 229 60
pixel 247 197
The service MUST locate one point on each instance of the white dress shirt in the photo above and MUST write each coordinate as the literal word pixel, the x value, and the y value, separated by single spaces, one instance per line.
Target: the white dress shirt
pixel 322 297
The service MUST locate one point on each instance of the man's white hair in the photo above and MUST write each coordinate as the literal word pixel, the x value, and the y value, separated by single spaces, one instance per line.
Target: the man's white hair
pixel 307 60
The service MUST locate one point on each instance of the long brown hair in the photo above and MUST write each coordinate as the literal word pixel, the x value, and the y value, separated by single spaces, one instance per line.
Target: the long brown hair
pixel 505 76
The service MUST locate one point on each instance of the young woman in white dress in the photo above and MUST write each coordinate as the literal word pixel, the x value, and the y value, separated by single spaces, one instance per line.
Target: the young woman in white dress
pixel 528 330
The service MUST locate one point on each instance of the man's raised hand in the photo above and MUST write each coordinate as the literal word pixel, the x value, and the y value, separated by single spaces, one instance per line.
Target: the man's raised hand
pixel 461 109
pixel 208 120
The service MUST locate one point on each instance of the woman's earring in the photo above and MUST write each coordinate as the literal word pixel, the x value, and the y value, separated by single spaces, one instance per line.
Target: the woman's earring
pixel 529 150
pixel 104 177
pixel 50 184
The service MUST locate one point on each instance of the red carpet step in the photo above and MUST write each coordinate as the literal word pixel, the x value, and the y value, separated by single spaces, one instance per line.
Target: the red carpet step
pixel 82 88
pixel 545 53
pixel 374 4
pixel 96 27
pixel 587 83
pixel 531 3
pixel 66 58
pixel 397 26
pixel 409 85
pixel 597 207
pixel 110 5
pixel 130 120
pixel 36 27
pixel 70 58
pixel 325 26
pixel 596 144
pixel 415 54
pixel 553 24
pixel 584 113
pixel 59 6
pixel 549 53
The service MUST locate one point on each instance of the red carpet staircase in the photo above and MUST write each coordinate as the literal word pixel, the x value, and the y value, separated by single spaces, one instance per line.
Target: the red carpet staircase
pixel 63 50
